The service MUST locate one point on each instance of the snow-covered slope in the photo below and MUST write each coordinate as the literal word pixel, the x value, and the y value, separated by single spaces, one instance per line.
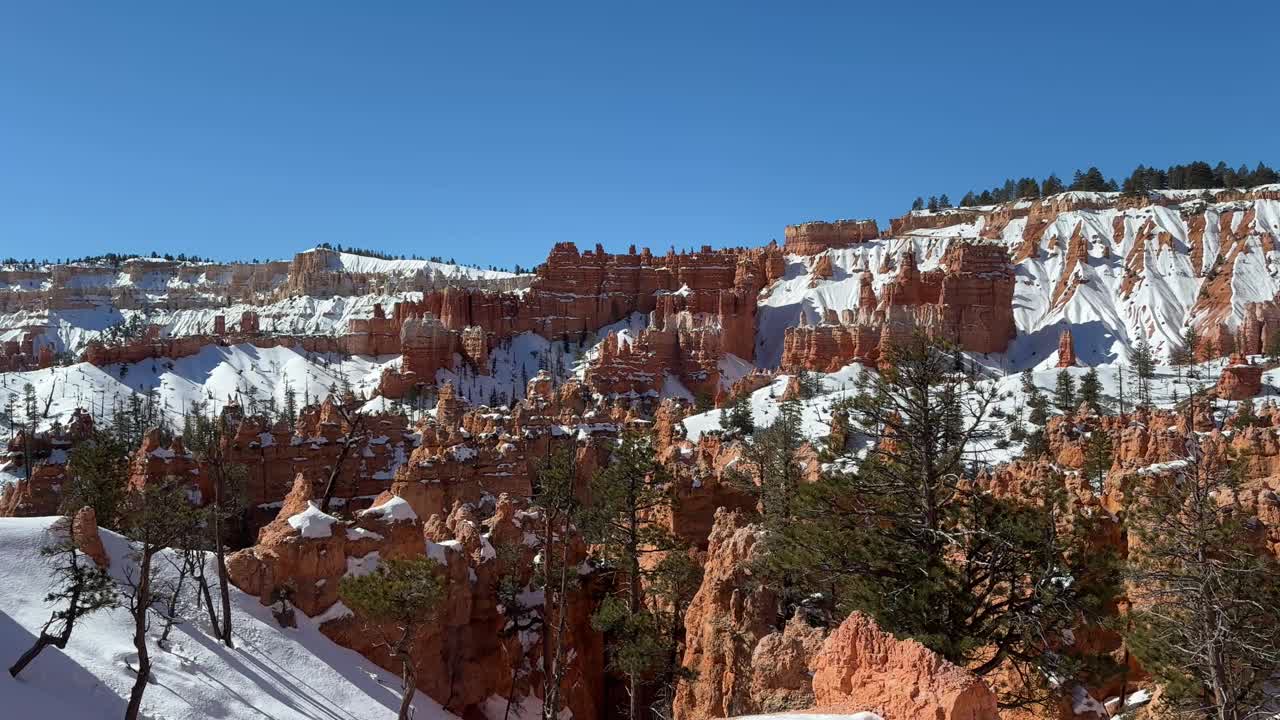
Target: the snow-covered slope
pixel 244 373
pixel 72 329
pixel 273 673
pixel 366 264
pixel 1147 273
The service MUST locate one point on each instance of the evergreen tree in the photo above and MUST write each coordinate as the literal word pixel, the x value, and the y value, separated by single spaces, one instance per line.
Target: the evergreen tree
pixel 1064 393
pixel 1051 186
pixel 1186 355
pixel 1091 391
pixel 1097 458
pixel 1207 623
pixel 772 472
pixel 80 588
pixel 99 474
pixel 632 488
pixel 909 538
pixel 1144 367
pixel 1037 404
pixel 556 574
pixel 1245 416
pixel 737 418
pixel 917 204
pixel 933 203
pixel 397 601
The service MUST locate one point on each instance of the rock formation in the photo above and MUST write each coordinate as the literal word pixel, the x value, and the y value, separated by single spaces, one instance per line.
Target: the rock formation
pixel 812 238
pixel 861 667
pixel 1240 380
pixel 1066 350
pixel 968 301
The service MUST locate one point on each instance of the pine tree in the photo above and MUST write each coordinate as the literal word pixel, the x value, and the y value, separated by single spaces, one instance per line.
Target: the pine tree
pixel 1206 623
pixel 1186 355
pixel 1091 391
pixel 910 539
pixel 98 468
pixel 933 203
pixel 1037 404
pixel 917 204
pixel 397 601
pixel 80 588
pixel 1144 367
pixel 1245 416
pixel 632 488
pixel 737 418
pixel 1097 458
pixel 556 502
pixel 1064 393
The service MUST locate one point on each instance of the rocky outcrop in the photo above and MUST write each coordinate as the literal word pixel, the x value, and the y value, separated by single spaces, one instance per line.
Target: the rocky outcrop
pixel 860 667
pixel 781 677
pixel 1240 380
pixel 1066 350
pixel 813 238
pixel 38 461
pixel 969 301
pixel 725 621
pixel 84 534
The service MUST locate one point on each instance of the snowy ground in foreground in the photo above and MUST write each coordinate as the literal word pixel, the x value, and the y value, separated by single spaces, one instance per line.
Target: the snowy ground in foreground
pixel 273 674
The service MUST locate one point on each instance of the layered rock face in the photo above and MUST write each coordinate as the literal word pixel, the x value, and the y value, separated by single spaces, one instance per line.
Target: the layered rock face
pixel 724 623
pixel 681 344
pixel 812 238
pixel 861 667
pixel 324 273
pixel 967 301
pixel 575 292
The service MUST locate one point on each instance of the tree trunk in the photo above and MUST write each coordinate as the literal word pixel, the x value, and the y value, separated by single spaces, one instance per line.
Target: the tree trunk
pixel 41 643
pixel 221 553
pixel 208 602
pixel 408 673
pixel 45 640
pixel 141 603
pixel 633 588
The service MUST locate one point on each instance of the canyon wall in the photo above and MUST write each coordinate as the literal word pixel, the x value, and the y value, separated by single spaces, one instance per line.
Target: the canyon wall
pixel 967 301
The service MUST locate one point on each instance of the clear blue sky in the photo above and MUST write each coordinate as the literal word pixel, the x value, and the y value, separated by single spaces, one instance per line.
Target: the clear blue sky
pixel 488 131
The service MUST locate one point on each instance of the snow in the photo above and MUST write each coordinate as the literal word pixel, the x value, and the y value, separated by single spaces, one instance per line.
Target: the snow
pixel 1106 317
pixel 366 264
pixel 245 373
pixel 360 566
pixel 397 509
pixel 294 674
pixel 815 413
pixel 312 523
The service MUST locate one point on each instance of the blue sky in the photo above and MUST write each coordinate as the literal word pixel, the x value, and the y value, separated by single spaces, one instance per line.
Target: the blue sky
pixel 488 131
